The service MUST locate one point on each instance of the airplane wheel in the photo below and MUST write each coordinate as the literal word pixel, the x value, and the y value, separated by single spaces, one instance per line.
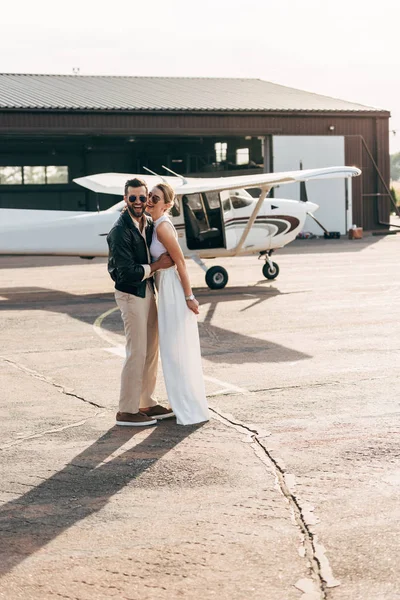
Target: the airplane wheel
pixel 216 278
pixel 270 273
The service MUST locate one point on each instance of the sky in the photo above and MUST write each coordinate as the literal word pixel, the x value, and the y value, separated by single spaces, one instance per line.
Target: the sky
pixel 348 49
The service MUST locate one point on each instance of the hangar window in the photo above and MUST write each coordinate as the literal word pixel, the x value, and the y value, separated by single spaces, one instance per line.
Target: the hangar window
pixel 37 175
pixel 56 174
pixel 242 156
pixel 221 149
pixel 43 175
pixel 10 175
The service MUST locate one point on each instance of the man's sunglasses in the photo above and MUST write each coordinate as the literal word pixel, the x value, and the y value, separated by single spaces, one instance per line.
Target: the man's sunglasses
pixel 141 198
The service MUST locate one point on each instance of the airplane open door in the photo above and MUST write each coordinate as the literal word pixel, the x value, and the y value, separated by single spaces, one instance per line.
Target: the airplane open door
pixel 203 221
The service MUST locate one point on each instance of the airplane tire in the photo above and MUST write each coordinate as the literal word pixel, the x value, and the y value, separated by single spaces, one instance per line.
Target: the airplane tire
pixel 216 278
pixel 270 273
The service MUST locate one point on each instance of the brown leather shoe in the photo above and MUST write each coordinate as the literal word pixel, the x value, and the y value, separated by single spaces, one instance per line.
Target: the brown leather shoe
pixel 158 412
pixel 134 420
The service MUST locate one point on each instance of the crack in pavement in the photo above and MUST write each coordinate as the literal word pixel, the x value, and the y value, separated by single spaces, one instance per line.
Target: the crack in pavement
pixel 62 390
pixel 48 432
pixel 41 377
pixel 314 552
pixel 305 386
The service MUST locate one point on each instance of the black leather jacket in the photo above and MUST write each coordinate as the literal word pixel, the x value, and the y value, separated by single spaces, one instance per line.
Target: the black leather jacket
pixel 127 254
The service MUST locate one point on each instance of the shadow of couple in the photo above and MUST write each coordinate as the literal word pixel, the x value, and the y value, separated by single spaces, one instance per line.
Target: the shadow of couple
pixel 82 488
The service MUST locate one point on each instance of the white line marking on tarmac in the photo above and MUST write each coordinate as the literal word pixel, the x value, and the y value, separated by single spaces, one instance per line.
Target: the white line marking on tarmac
pixel 227 385
pixel 97 326
pixel 119 350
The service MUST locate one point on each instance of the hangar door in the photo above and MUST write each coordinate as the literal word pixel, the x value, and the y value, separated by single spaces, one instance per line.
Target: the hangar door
pixel 314 152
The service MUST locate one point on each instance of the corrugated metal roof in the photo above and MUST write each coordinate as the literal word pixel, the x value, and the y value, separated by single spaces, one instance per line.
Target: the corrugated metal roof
pixel 81 92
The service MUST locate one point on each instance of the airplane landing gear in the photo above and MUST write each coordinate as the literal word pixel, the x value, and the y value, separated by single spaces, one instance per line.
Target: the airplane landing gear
pixel 270 270
pixel 216 278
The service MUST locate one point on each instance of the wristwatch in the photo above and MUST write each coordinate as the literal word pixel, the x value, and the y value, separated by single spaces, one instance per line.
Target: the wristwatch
pixel 191 297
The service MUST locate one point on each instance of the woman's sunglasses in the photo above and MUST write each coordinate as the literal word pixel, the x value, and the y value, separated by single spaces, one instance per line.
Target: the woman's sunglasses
pixel 141 198
pixel 154 198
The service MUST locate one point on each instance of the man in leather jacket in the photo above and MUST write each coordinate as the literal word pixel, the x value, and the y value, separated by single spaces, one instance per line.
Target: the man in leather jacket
pixel 129 267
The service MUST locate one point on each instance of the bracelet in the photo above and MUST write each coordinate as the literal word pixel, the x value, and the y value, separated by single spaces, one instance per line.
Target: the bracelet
pixel 191 297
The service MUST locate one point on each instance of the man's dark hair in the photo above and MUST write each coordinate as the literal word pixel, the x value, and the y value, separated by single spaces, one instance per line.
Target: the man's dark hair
pixel 135 183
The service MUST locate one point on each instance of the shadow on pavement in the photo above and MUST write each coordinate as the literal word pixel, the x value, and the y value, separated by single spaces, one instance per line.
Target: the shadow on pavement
pixel 81 489
pixel 218 344
pixel 226 346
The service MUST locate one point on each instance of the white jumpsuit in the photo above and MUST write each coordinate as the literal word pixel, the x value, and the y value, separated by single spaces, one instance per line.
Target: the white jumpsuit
pixel 179 343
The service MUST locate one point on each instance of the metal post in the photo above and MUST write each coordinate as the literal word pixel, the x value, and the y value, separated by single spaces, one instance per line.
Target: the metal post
pixel 267 154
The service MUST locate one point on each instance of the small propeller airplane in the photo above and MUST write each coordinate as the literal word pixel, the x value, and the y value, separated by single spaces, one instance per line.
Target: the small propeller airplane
pixel 214 217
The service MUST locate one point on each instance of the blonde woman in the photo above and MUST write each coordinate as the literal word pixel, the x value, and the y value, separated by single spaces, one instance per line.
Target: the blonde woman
pixel 177 323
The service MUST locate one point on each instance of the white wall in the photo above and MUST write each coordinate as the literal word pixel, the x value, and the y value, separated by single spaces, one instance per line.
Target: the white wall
pixel 314 152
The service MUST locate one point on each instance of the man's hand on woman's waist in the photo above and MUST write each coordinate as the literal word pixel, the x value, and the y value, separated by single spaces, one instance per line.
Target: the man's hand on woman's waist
pixel 164 262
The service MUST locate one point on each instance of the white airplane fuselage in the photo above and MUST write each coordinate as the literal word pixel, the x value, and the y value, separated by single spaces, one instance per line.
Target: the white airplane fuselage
pixel 84 233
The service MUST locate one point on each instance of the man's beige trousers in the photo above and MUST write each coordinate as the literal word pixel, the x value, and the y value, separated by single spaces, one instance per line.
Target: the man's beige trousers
pixel 139 373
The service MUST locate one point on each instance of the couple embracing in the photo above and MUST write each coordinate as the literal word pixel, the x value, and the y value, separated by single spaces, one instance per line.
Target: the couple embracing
pixel 144 255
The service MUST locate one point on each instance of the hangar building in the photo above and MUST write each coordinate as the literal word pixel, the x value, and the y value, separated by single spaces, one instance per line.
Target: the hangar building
pixel 54 128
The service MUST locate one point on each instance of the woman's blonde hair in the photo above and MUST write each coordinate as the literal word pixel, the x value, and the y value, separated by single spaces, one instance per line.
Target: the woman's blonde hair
pixel 169 194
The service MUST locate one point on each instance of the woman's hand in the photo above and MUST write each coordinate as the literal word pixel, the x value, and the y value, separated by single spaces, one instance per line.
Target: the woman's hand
pixel 193 305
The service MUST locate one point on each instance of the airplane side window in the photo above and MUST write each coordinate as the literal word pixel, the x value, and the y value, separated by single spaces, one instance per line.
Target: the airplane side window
pixel 213 199
pixel 241 202
pixel 194 201
pixel 176 209
pixel 226 205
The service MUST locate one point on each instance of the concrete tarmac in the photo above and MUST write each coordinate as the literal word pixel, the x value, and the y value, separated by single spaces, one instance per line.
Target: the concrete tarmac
pixel 291 491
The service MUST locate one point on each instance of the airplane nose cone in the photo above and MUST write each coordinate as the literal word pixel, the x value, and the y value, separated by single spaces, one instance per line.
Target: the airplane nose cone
pixel 311 207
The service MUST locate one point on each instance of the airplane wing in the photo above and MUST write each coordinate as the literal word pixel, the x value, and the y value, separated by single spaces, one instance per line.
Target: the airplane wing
pixel 113 183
